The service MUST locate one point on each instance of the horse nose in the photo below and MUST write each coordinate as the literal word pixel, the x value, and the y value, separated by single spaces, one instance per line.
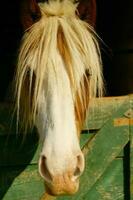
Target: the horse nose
pixel 63 181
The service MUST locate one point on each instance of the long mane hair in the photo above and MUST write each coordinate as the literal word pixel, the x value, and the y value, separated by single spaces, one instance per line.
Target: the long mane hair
pixel 59 30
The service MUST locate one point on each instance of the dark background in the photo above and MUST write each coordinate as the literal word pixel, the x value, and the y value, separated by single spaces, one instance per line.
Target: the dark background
pixel 10 34
pixel 114 25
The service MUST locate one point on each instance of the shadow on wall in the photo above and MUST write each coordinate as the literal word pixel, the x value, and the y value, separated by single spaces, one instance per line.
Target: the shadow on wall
pixel 17 152
pixel 10 34
pixel 15 156
pixel 114 25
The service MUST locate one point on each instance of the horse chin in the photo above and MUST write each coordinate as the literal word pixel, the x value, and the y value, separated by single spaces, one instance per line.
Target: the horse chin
pixel 58 189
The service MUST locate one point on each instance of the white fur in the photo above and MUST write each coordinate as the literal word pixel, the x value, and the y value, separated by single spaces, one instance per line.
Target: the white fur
pixel 56 121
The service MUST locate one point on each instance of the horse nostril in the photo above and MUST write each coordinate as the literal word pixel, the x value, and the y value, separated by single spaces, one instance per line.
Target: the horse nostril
pixel 79 167
pixel 77 172
pixel 43 169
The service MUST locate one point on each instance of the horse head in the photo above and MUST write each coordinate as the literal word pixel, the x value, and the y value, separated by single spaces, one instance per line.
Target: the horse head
pixel 59 70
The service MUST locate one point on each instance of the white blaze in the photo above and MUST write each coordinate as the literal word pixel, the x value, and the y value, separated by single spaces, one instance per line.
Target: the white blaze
pixel 56 120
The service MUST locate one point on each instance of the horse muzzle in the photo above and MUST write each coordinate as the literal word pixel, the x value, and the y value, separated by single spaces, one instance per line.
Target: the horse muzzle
pixel 62 181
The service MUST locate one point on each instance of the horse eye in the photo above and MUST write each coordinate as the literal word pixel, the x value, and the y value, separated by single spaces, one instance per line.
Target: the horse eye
pixel 88 73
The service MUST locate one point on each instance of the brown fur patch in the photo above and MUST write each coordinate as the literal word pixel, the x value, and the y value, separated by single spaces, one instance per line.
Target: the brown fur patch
pixel 81 105
pixel 64 52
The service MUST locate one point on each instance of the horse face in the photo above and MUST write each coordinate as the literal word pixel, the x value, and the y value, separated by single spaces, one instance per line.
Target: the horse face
pixel 61 161
pixel 58 49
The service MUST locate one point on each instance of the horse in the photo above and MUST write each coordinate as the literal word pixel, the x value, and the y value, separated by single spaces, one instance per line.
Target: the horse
pixel 59 71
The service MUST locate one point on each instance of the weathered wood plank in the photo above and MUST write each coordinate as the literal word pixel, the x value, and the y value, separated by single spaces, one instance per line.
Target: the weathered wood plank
pixel 19 184
pixel 110 186
pixel 102 109
pixel 106 145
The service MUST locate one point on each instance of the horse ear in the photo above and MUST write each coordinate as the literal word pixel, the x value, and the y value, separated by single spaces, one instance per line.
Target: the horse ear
pixel 87 11
pixel 29 13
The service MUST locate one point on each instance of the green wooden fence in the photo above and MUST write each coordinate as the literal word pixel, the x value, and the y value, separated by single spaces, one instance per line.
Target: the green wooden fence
pixel 107 142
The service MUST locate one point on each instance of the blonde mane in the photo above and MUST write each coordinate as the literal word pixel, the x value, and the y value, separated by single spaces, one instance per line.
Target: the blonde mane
pixel 58 30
